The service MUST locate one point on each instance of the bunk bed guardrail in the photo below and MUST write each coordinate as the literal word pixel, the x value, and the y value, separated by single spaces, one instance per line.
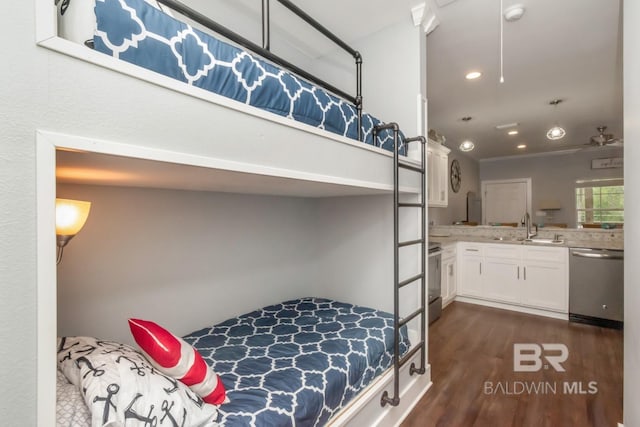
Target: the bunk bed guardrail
pixel 398 359
pixel 265 49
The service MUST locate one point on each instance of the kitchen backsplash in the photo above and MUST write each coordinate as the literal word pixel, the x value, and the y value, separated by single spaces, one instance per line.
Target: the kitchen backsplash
pixel 570 235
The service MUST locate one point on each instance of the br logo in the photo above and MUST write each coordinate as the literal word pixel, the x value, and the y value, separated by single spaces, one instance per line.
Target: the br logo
pixel 528 357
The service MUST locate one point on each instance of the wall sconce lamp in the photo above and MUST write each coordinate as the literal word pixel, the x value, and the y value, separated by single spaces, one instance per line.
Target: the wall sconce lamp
pixel 70 218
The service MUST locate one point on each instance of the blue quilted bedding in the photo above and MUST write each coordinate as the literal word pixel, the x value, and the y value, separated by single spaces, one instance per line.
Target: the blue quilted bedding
pixel 136 32
pixel 296 363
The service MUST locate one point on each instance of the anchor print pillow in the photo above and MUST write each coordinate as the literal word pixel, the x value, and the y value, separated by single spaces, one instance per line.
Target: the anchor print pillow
pixel 121 387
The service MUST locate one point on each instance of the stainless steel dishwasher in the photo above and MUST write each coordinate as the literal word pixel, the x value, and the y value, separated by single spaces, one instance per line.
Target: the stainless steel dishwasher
pixel 596 286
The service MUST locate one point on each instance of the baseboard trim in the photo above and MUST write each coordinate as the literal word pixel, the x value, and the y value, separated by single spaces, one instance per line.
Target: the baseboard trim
pixel 518 308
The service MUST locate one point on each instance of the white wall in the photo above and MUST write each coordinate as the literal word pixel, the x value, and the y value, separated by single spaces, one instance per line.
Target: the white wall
pixel 355 251
pixel 456 209
pixel 185 259
pixel 18 116
pixel 553 176
pixel 391 79
pixel 189 259
pixel 632 210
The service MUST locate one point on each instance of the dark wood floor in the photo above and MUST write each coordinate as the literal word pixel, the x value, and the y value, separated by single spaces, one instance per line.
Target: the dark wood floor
pixel 474 383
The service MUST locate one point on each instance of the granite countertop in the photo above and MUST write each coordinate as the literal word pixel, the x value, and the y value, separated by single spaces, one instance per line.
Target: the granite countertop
pixel 568 243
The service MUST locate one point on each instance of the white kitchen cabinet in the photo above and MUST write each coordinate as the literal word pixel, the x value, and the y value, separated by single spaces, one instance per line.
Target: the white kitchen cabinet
pixel 500 279
pixel 470 270
pixel 501 272
pixel 449 274
pixel 545 278
pixel 520 275
pixel 438 175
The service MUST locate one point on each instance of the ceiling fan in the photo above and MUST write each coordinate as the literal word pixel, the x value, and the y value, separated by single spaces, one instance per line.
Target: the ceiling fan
pixel 603 139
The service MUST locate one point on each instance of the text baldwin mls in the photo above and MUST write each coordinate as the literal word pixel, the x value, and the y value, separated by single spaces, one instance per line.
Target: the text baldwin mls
pixel 516 388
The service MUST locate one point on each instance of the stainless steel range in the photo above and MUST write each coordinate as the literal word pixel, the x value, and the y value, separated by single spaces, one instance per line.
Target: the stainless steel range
pixel 434 291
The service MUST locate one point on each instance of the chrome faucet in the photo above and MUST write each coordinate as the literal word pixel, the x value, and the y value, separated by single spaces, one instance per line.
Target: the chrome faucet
pixel 527 224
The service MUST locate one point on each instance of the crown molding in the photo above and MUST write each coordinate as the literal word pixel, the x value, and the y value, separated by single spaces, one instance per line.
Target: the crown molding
pixel 424 15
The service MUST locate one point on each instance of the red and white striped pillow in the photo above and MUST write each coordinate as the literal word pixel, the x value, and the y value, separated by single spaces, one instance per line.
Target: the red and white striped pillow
pixel 174 357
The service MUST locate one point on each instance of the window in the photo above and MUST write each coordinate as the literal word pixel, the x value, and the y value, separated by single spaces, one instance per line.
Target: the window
pixel 600 204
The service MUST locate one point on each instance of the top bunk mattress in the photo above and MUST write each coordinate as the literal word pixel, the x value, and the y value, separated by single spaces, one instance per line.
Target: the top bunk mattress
pixel 136 32
pixel 297 363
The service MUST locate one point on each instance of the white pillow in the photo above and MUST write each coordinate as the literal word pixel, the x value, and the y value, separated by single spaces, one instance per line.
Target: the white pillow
pixel 71 411
pixel 121 387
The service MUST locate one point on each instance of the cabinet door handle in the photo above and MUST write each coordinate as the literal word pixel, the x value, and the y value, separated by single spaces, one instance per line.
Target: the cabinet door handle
pixel 525 272
pixel 471 250
pixel 480 264
pixel 450 269
pixel 518 272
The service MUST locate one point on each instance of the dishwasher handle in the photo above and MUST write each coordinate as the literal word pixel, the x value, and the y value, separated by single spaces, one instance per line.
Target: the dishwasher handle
pixel 597 255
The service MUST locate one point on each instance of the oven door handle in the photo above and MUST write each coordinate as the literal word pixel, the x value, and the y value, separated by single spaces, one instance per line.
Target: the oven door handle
pixel 597 255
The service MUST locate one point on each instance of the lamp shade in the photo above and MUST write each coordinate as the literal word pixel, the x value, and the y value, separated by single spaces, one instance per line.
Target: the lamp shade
pixel 71 216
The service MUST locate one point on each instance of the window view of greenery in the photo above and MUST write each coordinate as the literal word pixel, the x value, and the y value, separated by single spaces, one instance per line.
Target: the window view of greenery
pixel 600 205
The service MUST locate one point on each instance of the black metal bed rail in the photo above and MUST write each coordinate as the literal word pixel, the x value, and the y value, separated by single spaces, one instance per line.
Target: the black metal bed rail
pixel 266 53
pixel 399 361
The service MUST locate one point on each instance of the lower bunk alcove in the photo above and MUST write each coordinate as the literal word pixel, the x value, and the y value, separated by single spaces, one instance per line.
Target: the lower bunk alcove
pixel 189 259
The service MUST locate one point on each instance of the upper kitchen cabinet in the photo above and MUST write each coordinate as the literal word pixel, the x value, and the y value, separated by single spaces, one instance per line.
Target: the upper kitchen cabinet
pixel 438 175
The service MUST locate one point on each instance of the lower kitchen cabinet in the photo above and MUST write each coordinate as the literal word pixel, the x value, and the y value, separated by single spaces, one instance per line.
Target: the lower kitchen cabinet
pixel 470 270
pixel 520 275
pixel 545 285
pixel 500 279
pixel 449 277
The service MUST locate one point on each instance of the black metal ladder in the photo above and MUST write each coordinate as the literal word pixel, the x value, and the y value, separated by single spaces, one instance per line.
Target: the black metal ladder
pixel 421 311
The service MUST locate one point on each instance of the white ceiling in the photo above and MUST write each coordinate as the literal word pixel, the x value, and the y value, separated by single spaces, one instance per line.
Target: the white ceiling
pixel 567 49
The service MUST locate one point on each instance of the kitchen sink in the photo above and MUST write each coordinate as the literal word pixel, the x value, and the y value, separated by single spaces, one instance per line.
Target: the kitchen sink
pixel 545 241
pixel 535 240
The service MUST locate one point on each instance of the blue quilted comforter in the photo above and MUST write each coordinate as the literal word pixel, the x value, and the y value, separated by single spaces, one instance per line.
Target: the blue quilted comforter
pixel 296 363
pixel 138 33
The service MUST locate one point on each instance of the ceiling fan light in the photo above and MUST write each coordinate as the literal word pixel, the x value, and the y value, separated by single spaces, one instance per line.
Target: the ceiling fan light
pixel 467 146
pixel 556 133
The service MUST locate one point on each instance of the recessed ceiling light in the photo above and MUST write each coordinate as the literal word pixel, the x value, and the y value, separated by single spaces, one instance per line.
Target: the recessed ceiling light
pixel 513 132
pixel 521 146
pixel 467 146
pixel 473 75
pixel 555 133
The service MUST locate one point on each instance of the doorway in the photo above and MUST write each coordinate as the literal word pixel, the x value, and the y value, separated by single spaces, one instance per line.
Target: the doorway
pixel 505 201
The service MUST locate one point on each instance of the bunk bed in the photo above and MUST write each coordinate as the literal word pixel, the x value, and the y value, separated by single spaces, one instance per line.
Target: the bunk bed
pixel 142 33
pixel 291 364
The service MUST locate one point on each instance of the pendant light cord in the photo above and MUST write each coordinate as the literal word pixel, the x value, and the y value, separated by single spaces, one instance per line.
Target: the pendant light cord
pixel 501 44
